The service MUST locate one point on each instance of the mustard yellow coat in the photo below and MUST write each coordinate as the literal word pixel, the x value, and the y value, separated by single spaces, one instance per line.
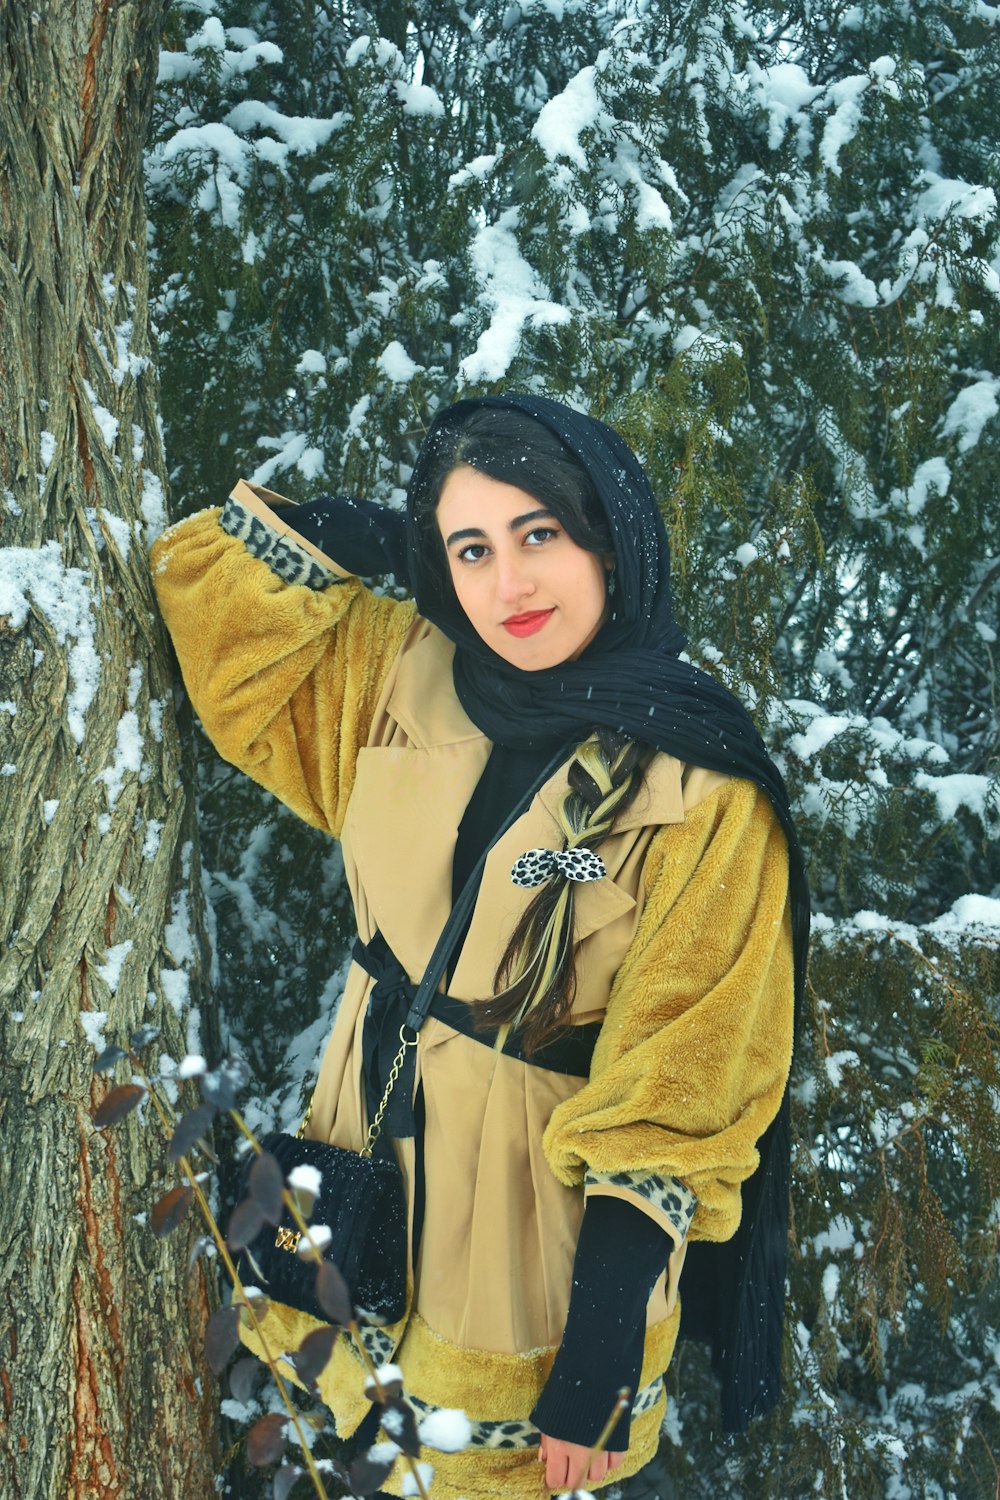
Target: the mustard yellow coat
pixel 341 703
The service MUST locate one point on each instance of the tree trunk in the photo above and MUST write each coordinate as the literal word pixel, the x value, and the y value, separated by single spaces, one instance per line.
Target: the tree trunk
pixel 103 1391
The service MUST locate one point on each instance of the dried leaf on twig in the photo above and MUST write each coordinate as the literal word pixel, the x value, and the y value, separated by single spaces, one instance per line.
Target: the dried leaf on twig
pixel 261 1308
pixel 266 1439
pixel 170 1211
pixel 401 1425
pixel 245 1225
pixel 108 1058
pixel 265 1185
pixel 388 1387
pixel 116 1105
pixel 143 1037
pixel 189 1131
pixel 284 1479
pixel 313 1354
pixel 221 1086
pixel 333 1296
pixel 366 1474
pixel 222 1335
pixel 244 1379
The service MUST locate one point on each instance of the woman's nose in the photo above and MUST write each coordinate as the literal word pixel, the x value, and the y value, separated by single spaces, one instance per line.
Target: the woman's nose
pixel 513 576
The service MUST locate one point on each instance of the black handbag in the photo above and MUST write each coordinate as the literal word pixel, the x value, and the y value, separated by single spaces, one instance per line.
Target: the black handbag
pixel 361 1198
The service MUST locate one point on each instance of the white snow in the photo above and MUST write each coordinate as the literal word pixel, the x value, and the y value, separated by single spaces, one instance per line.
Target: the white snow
pixel 409 1485
pixel 151 840
pixel 932 475
pixel 971 410
pixel 835 1064
pixel 821 731
pixel 110 970
pixel 49 809
pixel 317 1237
pixel 47 446
pixel 38 577
pixel 746 554
pixel 783 90
pixel 301 135
pixel 176 989
pixel 839 1235
pixel 562 120
pixel 846 97
pixel 952 792
pixel 418 99
pixel 290 446
pixel 311 362
pixel 306 1178
pixel 192 1066
pixel 950 196
pixel 478 169
pixel 93 1023
pixel 446 1429
pixel 854 287
pixel 395 363
pixel 153 506
pixel 513 291
pixel 310 463
pixel 128 756
pixel 968 911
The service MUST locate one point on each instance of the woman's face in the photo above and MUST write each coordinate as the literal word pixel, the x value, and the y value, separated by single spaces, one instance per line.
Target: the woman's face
pixel 528 590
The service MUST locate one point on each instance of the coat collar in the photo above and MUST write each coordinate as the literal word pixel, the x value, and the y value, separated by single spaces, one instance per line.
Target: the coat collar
pixel 425 705
pixel 408 801
pixel 423 700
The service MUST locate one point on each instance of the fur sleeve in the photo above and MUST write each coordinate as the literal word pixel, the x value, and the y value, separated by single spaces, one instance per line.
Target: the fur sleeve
pixel 284 677
pixel 695 1047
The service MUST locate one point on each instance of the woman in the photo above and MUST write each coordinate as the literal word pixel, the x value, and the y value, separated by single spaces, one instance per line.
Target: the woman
pixel 613 1045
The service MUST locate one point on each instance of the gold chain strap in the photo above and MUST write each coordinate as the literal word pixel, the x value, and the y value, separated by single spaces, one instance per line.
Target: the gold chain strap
pixel 375 1128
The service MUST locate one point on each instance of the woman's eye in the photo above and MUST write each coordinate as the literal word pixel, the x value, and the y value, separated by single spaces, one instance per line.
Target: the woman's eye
pixel 473 552
pixel 539 534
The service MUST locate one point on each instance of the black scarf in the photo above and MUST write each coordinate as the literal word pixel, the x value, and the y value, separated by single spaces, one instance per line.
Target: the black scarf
pixel 630 679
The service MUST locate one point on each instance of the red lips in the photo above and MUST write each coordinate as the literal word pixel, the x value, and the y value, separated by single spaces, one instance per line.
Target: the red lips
pixel 527 624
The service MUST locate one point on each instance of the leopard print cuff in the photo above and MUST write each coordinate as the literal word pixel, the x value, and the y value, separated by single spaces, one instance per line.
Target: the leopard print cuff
pixel 665 1197
pixel 290 562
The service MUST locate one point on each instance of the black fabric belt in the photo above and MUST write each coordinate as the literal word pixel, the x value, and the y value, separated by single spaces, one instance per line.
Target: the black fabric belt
pixel 570 1052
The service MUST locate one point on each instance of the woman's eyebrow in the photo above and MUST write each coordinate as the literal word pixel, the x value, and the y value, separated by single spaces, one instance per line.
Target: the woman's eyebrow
pixel 531 515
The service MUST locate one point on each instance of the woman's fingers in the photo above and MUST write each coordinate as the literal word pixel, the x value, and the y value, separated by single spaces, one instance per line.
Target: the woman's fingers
pixel 568 1465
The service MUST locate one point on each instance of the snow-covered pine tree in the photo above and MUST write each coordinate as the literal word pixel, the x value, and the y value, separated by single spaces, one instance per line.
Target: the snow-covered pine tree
pixel 100 1323
pixel 763 240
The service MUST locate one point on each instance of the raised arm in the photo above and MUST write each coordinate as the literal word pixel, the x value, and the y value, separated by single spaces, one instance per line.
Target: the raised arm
pixel 284 655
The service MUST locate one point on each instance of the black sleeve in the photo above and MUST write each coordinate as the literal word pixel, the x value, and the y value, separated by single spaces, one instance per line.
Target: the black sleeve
pixel 360 535
pixel 619 1255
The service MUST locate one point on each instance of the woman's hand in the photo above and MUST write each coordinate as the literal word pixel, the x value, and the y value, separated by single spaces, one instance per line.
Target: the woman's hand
pixel 566 1464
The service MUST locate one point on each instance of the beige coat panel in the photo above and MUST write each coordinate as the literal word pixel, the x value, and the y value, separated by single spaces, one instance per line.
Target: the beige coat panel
pixel 495 1215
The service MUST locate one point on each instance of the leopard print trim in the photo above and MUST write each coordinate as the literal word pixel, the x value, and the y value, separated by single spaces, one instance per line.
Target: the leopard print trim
pixel 380 1346
pixel 667 1195
pixel 522 1434
pixel 283 555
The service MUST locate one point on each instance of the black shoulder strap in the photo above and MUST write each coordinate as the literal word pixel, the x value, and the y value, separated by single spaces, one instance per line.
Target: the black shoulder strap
pixel 438 962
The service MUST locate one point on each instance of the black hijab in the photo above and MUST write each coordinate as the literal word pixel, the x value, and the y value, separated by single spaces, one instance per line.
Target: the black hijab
pixel 630 678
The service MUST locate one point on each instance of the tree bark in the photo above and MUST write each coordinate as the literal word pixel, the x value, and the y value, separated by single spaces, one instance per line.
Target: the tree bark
pixel 103 1390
